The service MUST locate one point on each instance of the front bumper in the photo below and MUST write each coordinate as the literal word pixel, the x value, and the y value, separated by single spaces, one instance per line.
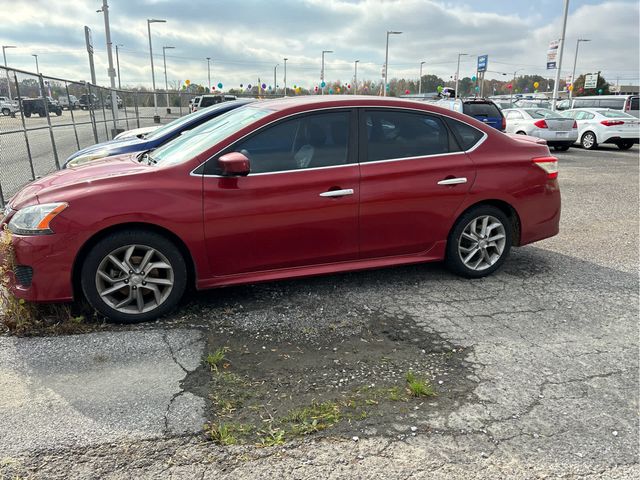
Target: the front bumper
pixel 43 267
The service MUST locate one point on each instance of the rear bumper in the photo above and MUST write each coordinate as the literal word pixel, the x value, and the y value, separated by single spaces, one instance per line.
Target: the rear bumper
pixel 540 214
pixel 620 138
pixel 554 137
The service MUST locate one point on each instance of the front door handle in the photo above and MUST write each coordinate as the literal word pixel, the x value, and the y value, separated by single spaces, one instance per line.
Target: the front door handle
pixel 337 193
pixel 453 181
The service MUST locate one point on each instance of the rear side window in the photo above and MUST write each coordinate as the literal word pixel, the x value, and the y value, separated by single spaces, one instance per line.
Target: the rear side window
pixel 634 103
pixel 208 101
pixel 393 134
pixel 466 135
pixel 616 103
pixel 514 115
pixel 584 103
pixel 481 110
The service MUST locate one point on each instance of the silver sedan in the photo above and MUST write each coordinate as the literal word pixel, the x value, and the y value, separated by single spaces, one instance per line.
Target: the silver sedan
pixel 558 131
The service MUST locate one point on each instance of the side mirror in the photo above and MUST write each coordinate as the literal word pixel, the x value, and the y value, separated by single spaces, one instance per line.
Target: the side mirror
pixel 235 164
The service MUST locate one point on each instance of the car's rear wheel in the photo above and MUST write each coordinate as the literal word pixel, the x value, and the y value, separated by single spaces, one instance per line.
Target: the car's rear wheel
pixel 479 242
pixel 625 145
pixel 6 111
pixel 589 141
pixel 134 276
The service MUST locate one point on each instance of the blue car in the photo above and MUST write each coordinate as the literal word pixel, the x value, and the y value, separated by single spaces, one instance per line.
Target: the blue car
pixel 153 139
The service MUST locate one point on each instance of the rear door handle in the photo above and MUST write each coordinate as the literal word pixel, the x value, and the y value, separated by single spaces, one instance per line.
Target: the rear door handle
pixel 337 193
pixel 453 181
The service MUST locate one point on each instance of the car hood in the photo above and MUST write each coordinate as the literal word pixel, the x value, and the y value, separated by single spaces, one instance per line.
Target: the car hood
pixel 113 147
pixel 64 184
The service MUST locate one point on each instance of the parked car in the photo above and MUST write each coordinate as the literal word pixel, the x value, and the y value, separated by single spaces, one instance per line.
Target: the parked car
pixel 532 103
pixel 8 107
pixel 281 189
pixel 107 101
pixel 88 101
pixel 479 108
pixel 31 106
pixel 602 125
pixel 152 140
pixel 136 132
pixel 70 102
pixel 626 103
pixel 559 132
pixel 203 101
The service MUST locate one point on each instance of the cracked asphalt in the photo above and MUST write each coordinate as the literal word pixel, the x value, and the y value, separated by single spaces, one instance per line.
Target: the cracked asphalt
pixel 551 365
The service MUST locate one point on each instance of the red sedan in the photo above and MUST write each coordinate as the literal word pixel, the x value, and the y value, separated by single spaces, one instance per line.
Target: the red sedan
pixel 280 189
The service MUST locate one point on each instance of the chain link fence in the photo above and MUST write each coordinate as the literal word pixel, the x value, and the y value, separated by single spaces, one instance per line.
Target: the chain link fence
pixel 43 120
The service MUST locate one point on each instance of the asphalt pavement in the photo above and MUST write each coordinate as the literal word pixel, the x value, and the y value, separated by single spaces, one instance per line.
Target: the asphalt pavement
pixel 547 385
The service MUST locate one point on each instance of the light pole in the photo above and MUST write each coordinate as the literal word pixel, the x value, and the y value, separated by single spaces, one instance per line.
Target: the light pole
pixel 322 70
pixel 208 74
pixel 355 78
pixel 166 84
pixel 386 63
pixel 275 78
pixel 420 82
pixel 285 76
pixel 556 85
pixel 575 61
pixel 118 65
pixel 111 72
pixel 513 85
pixel 4 54
pixel 156 117
pixel 37 71
pixel 458 74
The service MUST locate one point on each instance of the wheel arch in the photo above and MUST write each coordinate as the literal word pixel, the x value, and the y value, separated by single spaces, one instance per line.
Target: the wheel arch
pixel 96 237
pixel 506 208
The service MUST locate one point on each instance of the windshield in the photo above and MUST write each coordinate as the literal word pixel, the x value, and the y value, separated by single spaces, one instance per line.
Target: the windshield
pixel 542 113
pixel 179 122
pixel 477 109
pixel 614 114
pixel 201 138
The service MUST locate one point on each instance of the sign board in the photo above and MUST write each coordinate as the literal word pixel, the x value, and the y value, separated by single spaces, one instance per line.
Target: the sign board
pixel 591 80
pixel 552 53
pixel 88 39
pixel 483 61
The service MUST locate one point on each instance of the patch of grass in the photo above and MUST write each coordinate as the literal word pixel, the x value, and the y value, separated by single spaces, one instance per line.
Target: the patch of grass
pixel 271 437
pixel 217 358
pixel 395 394
pixel 419 387
pixel 226 434
pixel 230 392
pixel 314 418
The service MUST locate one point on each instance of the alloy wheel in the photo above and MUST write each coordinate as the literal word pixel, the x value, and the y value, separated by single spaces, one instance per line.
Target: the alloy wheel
pixel 134 279
pixel 482 242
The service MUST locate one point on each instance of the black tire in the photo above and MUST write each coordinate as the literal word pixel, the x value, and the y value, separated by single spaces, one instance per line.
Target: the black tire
pixel 126 238
pixel 42 114
pixel 27 114
pixel 6 112
pixel 588 141
pixel 561 148
pixel 58 112
pixel 454 262
pixel 625 145
pixel 520 133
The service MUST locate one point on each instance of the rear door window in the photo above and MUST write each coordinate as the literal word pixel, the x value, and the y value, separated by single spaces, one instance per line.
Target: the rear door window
pixel 393 134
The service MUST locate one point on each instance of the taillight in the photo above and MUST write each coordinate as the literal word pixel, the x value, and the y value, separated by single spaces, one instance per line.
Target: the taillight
pixel 504 123
pixel 549 165
pixel 541 124
pixel 611 123
pixel 575 124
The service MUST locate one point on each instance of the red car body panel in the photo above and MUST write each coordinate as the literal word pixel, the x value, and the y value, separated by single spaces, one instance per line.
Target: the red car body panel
pixel 270 226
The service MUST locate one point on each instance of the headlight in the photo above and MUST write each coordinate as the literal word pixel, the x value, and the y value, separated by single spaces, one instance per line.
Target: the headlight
pixel 35 220
pixel 90 157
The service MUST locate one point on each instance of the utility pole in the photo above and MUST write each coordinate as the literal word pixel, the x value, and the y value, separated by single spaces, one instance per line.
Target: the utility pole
pixel 89 41
pixel 4 54
pixel 322 70
pixel 575 61
pixel 111 71
pixel 38 72
pixel 458 74
pixel 209 74
pixel 420 82
pixel 275 78
pixel 556 85
pixel 285 76
pixel 156 117
pixel 166 84
pixel 118 66
pixel 386 63
pixel 355 78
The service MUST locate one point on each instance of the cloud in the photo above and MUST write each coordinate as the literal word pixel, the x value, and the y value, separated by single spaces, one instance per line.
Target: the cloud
pixel 247 39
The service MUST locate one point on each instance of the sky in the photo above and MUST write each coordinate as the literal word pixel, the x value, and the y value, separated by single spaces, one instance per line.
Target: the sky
pixel 247 39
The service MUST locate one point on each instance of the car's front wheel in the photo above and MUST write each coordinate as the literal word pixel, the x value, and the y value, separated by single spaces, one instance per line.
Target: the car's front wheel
pixel 479 242
pixel 134 276
pixel 625 145
pixel 589 141
pixel 6 112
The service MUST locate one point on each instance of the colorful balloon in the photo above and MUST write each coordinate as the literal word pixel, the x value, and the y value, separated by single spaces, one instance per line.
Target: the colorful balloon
pixel 249 87
pixel 440 88
pixel 349 86
pixel 331 91
pixel 264 85
pixel 240 85
pixel 407 92
pixel 220 85
pixel 323 84
pixel 474 78
pixel 509 86
pixel 571 88
pixel 536 84
pixel 477 88
pixel 600 91
pixel 188 82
